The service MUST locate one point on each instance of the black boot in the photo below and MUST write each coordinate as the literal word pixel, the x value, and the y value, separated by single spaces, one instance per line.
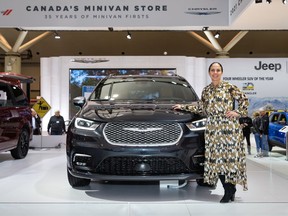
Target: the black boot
pixel 232 191
pixel 229 189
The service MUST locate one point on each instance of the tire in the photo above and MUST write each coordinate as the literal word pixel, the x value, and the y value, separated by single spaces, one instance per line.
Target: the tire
pixel 77 182
pixel 22 147
pixel 270 147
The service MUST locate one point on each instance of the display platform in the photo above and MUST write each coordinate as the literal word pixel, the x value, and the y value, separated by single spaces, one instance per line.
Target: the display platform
pixel 38 185
pixel 47 141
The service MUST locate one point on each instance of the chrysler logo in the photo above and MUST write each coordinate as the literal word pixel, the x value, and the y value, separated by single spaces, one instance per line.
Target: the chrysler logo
pixel 142 129
pixel 203 12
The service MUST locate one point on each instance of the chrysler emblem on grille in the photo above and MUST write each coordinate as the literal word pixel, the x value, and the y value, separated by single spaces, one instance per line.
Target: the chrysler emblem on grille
pixel 142 129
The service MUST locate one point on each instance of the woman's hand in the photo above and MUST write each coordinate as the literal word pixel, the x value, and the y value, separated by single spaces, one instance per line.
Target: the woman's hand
pixel 232 114
pixel 176 107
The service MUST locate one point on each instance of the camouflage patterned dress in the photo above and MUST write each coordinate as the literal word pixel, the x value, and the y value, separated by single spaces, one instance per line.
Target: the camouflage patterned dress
pixel 225 149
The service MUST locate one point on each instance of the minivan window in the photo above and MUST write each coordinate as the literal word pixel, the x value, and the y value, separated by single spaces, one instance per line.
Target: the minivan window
pixel 144 90
pixel 20 98
pixel 5 96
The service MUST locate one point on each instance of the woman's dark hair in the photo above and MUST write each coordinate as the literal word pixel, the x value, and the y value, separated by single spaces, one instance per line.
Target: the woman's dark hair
pixel 215 63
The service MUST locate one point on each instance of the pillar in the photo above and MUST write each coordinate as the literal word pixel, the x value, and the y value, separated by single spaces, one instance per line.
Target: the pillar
pixel 13 63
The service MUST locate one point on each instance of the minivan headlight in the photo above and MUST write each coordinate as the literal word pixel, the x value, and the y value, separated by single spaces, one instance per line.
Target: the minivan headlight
pixel 197 125
pixel 85 124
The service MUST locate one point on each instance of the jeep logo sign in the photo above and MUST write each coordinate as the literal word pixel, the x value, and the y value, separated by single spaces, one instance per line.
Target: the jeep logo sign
pixel 268 66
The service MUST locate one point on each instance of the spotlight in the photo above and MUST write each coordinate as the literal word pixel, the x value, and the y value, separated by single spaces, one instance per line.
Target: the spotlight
pixel 217 34
pixel 258 1
pixel 284 1
pixel 56 35
pixel 268 1
pixel 205 29
pixel 129 37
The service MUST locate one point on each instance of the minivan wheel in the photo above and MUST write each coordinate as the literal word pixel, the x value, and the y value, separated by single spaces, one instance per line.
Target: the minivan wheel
pixel 22 146
pixel 77 182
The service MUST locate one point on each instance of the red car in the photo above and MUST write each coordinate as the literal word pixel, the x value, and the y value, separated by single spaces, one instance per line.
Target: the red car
pixel 15 115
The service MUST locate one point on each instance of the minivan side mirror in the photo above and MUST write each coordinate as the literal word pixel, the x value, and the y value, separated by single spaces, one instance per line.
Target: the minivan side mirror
pixel 79 101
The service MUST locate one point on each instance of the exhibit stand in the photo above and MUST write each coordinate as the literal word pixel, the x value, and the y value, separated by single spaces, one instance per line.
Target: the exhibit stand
pixel 286 139
pixel 285 130
pixel 47 141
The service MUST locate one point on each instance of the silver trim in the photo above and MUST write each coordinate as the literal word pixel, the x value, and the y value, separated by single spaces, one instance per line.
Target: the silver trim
pixel 80 155
pixel 137 129
pixel 142 130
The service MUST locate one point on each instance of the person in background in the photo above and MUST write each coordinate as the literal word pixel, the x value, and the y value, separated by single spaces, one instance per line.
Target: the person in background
pixel 246 123
pixel 36 123
pixel 56 125
pixel 264 126
pixel 256 131
pixel 225 157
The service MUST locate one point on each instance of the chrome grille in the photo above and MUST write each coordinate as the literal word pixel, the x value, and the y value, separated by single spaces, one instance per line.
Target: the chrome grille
pixel 142 133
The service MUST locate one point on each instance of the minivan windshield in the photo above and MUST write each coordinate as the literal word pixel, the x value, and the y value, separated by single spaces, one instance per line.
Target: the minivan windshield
pixel 144 89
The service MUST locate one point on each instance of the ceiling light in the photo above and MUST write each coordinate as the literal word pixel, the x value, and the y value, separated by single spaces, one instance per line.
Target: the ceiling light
pixel 268 1
pixel 284 1
pixel 258 1
pixel 217 34
pixel 56 35
pixel 129 37
pixel 205 29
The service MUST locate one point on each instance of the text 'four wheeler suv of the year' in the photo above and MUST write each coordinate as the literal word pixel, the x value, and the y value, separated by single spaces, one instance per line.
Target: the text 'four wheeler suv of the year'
pixel 128 131
pixel 15 115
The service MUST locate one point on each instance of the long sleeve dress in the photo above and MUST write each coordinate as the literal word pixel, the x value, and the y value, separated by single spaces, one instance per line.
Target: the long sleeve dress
pixel 224 145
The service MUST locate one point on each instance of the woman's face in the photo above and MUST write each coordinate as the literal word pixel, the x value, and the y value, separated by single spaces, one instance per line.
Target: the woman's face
pixel 215 72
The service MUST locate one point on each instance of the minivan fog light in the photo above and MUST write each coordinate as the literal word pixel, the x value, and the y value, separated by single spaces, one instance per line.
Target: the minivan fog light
pixel 81 159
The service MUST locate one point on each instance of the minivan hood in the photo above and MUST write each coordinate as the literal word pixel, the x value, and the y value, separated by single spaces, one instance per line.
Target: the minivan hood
pixel 107 112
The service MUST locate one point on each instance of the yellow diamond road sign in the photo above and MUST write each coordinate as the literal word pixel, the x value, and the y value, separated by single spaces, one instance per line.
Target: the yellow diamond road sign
pixel 41 107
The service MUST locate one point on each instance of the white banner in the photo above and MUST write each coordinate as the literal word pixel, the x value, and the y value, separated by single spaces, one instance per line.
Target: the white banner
pixel 263 80
pixel 114 13
pixel 236 7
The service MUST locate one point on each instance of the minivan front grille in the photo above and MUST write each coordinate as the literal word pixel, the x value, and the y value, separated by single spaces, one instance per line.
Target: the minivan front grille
pixel 142 166
pixel 142 133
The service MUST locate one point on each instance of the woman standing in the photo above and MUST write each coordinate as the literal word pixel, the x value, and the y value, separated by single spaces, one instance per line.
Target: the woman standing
pixel 225 151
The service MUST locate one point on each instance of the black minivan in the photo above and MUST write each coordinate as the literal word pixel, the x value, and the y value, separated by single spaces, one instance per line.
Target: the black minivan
pixel 127 131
